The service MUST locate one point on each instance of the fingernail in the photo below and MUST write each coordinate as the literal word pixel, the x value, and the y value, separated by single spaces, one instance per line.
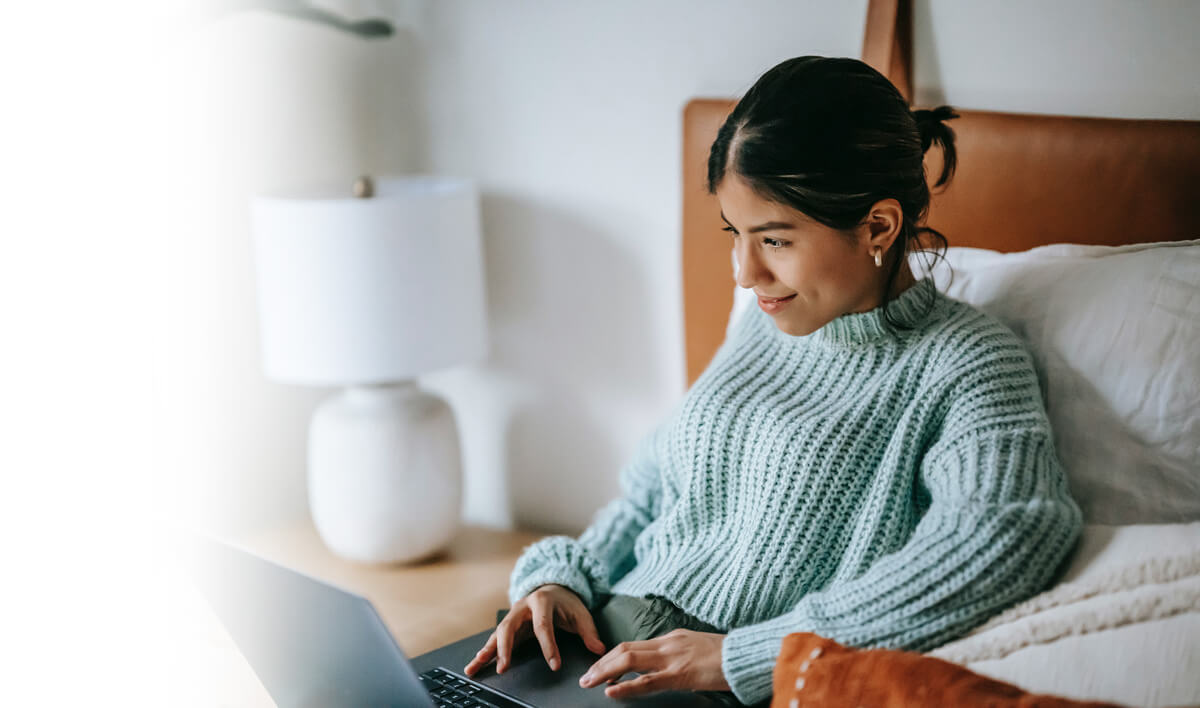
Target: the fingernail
pixel 585 680
pixel 554 664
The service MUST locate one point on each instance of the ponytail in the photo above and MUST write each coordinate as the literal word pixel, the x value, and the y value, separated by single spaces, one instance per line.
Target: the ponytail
pixel 933 129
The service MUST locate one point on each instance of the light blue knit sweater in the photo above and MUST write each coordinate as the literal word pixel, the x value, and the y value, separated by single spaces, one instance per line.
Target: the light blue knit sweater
pixel 878 491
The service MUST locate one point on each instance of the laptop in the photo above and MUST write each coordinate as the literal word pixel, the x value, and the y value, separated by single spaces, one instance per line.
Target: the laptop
pixel 315 645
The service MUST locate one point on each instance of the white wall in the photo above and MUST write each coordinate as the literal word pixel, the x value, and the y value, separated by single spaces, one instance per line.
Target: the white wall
pixel 1112 58
pixel 568 114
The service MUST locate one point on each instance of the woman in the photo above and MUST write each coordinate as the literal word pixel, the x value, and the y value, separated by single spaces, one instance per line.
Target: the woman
pixel 864 458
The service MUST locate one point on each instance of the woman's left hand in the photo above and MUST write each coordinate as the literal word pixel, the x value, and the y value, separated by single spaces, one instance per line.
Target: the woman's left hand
pixel 679 660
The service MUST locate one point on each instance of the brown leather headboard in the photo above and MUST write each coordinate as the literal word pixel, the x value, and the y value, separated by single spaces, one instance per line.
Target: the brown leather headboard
pixel 1021 181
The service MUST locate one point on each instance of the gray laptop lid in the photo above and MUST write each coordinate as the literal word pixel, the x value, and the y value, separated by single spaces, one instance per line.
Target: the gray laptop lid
pixel 310 643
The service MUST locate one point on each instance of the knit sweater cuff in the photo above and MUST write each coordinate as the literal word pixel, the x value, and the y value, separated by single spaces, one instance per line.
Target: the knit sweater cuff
pixel 560 560
pixel 748 657
pixel 557 574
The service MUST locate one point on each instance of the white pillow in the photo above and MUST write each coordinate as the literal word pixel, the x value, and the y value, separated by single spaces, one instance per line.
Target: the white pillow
pixel 1115 335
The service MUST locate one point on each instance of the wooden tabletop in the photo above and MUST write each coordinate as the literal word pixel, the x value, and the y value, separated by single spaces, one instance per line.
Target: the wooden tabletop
pixel 425 605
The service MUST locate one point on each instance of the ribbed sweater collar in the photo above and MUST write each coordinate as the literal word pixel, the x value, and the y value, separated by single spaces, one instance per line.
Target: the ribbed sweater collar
pixel 860 329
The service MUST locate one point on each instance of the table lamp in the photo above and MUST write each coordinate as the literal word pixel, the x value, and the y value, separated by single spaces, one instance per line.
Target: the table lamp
pixel 365 289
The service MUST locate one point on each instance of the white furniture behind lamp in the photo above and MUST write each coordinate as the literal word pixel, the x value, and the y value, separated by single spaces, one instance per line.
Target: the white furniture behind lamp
pixel 366 293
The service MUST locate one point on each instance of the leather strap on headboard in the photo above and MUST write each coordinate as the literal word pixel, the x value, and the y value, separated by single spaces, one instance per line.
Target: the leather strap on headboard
pixel 887 42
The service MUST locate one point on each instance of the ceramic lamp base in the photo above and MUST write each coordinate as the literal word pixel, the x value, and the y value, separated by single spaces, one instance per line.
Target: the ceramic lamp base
pixel 385 473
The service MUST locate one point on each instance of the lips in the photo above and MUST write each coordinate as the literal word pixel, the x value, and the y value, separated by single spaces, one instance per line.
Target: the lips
pixel 776 299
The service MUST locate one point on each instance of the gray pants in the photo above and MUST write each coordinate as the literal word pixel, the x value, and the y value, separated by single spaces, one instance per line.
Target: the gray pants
pixel 626 619
pixel 623 618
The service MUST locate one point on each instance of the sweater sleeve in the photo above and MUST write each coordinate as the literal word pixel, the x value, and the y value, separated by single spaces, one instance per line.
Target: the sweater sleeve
pixel 998 519
pixel 603 554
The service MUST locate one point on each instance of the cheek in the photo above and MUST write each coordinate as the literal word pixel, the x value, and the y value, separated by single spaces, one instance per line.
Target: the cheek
pixel 808 269
pixel 838 265
pixel 824 280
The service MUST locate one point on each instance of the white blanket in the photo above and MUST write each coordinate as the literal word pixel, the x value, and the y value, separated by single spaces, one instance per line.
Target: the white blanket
pixel 1123 623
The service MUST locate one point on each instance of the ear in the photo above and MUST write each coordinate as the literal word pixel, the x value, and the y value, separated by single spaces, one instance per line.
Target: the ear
pixel 883 224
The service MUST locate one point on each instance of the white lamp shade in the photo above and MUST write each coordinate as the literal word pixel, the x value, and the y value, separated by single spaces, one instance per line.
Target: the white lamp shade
pixel 369 290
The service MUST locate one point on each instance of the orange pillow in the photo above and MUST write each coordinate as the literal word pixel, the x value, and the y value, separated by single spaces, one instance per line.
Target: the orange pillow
pixel 815 671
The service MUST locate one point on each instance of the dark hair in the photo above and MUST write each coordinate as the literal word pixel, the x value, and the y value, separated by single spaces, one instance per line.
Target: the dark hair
pixel 829 137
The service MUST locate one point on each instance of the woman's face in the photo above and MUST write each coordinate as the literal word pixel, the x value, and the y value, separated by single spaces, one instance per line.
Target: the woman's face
pixel 783 253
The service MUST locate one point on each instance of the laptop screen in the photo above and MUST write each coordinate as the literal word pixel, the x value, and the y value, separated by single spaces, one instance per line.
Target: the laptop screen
pixel 310 643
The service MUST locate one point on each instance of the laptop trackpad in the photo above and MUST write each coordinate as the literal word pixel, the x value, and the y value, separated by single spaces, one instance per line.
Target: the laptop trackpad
pixel 530 679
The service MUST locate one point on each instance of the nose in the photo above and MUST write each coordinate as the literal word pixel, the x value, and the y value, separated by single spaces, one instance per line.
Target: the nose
pixel 749 270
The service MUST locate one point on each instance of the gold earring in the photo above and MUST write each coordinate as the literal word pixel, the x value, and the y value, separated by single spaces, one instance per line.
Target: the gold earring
pixel 878 257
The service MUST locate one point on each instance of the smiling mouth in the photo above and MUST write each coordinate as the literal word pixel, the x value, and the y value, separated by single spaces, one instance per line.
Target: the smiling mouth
pixel 776 299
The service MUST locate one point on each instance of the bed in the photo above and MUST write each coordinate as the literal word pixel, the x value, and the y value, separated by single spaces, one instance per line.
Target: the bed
pixel 1080 234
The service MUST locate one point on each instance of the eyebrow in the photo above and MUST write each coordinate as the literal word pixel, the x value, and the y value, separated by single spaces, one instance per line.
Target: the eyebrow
pixel 769 226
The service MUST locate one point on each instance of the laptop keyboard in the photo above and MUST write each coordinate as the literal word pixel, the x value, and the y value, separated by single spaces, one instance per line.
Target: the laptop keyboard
pixel 450 690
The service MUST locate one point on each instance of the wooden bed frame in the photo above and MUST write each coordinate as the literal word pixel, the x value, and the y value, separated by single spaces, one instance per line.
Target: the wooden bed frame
pixel 1022 181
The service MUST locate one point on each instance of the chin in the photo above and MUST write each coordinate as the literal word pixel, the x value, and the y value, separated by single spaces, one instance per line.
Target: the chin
pixel 794 329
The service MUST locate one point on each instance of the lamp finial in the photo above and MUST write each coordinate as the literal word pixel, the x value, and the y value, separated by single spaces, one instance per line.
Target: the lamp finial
pixel 364 188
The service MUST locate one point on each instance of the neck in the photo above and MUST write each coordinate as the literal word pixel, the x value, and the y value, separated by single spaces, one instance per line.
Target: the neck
pixel 904 280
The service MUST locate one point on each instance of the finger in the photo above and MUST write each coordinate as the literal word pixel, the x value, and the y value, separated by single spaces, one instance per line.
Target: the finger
pixel 483 656
pixel 619 662
pixel 640 686
pixel 507 637
pixel 642 645
pixel 585 627
pixel 645 645
pixel 543 627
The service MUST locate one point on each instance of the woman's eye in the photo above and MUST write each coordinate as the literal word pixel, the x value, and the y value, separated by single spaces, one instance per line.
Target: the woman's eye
pixel 773 243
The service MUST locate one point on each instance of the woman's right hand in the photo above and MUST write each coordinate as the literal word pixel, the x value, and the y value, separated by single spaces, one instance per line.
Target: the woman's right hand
pixel 539 612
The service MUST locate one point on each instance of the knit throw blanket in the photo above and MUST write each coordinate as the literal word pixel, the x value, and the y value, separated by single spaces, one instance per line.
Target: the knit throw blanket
pixel 1154 588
